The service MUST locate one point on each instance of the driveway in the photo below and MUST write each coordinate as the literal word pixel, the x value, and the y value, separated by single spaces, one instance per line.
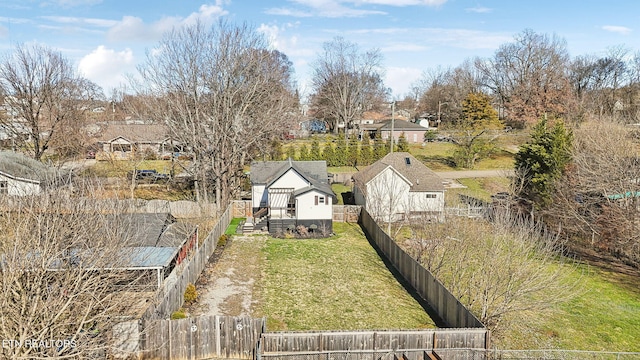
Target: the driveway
pixel 228 285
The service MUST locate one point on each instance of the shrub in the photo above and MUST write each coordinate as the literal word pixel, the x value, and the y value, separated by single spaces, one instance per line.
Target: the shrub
pixel 178 314
pixel 190 294
pixel 222 240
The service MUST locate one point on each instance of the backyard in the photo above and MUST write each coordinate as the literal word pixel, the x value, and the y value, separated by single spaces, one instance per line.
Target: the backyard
pixel 336 283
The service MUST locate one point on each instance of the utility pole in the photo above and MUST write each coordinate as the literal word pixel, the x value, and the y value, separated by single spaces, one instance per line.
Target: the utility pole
pixel 393 119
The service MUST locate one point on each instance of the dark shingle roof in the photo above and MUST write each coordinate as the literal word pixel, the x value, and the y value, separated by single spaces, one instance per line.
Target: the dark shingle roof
pixel 421 177
pixel 154 133
pixel 20 166
pixel 266 172
pixel 402 125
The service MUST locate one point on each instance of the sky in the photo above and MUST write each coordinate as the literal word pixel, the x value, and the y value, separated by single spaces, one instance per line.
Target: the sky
pixel 107 39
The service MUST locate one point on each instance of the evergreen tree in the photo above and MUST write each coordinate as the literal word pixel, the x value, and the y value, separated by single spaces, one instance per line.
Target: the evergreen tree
pixel 403 144
pixel 341 152
pixel 304 153
pixel 314 152
pixel 275 152
pixel 291 152
pixel 329 154
pixel 542 161
pixel 366 151
pixel 381 148
pixel 352 151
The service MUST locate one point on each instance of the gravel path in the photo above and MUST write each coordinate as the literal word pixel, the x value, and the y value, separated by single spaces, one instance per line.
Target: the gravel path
pixel 464 174
pixel 228 285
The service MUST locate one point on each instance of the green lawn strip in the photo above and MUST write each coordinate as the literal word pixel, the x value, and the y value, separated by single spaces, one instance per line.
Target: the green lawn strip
pixel 339 188
pixel 482 188
pixel 604 316
pixel 338 283
pixel 120 168
pixel 233 226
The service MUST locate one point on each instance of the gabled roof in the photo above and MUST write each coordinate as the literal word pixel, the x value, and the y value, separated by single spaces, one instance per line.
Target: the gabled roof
pixel 22 167
pixel 152 133
pixel 421 177
pixel 402 125
pixel 315 172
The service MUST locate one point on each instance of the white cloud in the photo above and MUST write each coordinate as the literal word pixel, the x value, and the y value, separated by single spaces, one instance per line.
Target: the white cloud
pixel 134 28
pixel 72 3
pixel 617 29
pixel 400 2
pixel 286 44
pixel 479 10
pixel 324 8
pixel 107 67
pixel 81 21
pixel 399 79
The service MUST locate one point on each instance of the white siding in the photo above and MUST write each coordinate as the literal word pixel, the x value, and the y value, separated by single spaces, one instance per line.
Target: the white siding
pixel 258 194
pixel 420 201
pixel 306 209
pixel 290 179
pixel 387 194
pixel 20 188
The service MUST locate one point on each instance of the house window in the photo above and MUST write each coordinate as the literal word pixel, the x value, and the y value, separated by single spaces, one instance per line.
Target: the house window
pixel 4 187
pixel 319 200
pixel 415 138
pixel 431 196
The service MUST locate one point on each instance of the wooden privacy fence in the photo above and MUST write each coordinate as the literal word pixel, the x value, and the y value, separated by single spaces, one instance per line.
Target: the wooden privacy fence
pixel 412 344
pixel 447 306
pixel 171 296
pixel 202 337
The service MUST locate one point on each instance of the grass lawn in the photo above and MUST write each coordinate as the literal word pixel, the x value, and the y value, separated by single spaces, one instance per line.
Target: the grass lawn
pixel 605 316
pixel 481 188
pixel 233 225
pixel 120 168
pixel 438 157
pixel 338 283
pixel 339 188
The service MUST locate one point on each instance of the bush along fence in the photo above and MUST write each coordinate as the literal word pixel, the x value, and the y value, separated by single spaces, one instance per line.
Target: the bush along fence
pixel 171 297
pixel 447 306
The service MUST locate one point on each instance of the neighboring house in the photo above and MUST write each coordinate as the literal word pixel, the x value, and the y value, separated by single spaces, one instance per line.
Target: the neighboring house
pixel 414 133
pixel 289 194
pixel 399 186
pixel 21 175
pixel 122 141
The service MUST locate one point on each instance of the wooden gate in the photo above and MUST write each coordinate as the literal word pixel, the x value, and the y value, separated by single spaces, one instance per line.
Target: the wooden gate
pixel 201 337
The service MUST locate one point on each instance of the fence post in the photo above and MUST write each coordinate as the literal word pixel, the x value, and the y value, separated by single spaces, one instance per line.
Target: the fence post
pixel 217 335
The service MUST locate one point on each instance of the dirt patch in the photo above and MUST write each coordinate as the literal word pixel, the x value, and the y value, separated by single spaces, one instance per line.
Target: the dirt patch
pixel 227 284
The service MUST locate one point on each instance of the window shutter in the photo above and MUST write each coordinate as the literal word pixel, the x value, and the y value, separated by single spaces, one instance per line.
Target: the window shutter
pixel 316 199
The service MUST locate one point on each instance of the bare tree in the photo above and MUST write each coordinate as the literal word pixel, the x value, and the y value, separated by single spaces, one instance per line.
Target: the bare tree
pixel 497 269
pixel 44 97
pixel 346 82
pixel 597 199
pixel 223 94
pixel 528 77
pixel 444 90
pixel 64 283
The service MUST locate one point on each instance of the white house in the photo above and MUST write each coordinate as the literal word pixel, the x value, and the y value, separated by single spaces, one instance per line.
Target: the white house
pixel 399 186
pixel 290 194
pixel 21 175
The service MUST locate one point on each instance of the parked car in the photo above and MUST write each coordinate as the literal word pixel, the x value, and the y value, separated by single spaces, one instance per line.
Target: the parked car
pixel 149 176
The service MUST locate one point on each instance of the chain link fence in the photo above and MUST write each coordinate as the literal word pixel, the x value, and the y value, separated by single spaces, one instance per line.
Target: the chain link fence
pixel 455 354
